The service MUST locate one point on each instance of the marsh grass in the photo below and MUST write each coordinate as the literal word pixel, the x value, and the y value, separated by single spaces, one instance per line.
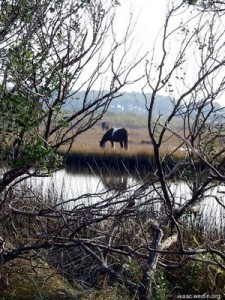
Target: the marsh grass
pixel 71 274
pixel 34 278
pixel 21 278
pixel 86 153
pixel 139 141
pixel 135 163
pixel 197 278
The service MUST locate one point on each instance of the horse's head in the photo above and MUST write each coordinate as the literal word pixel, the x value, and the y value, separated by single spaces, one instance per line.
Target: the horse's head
pixel 102 144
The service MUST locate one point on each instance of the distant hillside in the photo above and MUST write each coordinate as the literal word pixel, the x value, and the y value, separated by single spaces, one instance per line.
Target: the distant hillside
pixel 132 103
pixel 127 103
pixel 136 103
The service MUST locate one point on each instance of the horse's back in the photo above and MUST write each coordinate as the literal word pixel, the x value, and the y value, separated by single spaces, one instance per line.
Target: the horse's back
pixel 120 133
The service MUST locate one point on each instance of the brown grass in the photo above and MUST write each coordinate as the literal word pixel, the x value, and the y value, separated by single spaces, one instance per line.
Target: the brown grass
pixel 139 142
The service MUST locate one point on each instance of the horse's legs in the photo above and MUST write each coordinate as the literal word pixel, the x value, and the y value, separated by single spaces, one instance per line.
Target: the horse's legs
pixel 126 144
pixel 121 144
pixel 112 143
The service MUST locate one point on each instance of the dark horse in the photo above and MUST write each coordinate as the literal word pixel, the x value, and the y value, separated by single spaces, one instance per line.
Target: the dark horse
pixel 105 125
pixel 119 135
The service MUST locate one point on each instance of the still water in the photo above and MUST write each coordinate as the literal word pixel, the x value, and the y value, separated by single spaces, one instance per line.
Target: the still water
pixel 209 213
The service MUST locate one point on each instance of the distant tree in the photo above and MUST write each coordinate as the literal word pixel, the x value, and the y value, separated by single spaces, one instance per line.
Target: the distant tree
pixel 50 50
pixel 192 75
pixel 209 5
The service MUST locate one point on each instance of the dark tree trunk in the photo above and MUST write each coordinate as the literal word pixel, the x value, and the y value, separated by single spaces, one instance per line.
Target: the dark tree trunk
pixel 145 291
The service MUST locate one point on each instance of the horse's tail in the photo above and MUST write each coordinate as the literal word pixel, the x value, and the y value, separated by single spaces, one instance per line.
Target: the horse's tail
pixel 126 140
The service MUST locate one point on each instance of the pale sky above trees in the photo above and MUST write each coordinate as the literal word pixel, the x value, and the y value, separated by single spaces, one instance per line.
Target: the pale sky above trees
pixel 149 17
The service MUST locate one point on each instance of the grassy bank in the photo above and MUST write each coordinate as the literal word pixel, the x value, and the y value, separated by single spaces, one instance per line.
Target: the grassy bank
pixel 139 141
pixel 119 161
pixel 69 273
pixel 86 153
pixel 113 161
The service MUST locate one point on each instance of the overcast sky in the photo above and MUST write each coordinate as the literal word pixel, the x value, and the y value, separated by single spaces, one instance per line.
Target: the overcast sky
pixel 150 17
pixel 150 14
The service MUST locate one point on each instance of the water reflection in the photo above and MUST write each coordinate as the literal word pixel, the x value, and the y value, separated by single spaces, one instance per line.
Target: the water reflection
pixel 207 214
pixel 66 185
pixel 117 183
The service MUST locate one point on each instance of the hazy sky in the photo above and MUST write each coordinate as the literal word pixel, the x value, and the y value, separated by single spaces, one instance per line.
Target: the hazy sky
pixel 149 16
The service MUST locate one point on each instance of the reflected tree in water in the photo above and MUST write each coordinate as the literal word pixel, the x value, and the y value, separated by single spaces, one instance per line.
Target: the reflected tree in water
pixel 119 182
